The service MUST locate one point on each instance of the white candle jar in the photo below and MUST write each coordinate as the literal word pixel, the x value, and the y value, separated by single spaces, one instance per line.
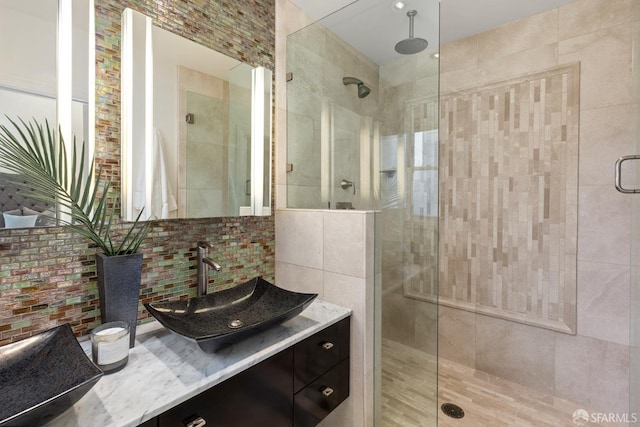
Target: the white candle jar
pixel 110 346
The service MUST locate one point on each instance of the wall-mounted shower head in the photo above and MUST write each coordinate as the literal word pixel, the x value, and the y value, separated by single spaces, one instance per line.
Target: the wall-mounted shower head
pixel 363 90
pixel 412 44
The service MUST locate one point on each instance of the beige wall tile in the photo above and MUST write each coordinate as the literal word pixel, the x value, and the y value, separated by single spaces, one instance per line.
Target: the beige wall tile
pixel 300 279
pixel 519 36
pixel 539 58
pixel 399 318
pixel 281 196
pixel 592 372
pixel 603 301
pixel 457 335
pixel 426 328
pixel 427 87
pixel 304 195
pixel 369 241
pixel 586 16
pixel 459 80
pixel 306 168
pixel 603 225
pixel 519 353
pixel 605 66
pixel 399 72
pixel 459 55
pixel 345 243
pixel 299 238
pixel 392 279
pixel 605 135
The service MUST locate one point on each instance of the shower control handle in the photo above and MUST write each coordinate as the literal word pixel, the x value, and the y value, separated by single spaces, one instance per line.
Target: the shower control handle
pixel 346 184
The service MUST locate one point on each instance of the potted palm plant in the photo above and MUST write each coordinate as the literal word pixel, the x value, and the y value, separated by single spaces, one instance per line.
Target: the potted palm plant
pixel 63 178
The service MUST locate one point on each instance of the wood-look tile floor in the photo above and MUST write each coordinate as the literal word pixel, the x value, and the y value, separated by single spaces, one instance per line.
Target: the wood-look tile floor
pixel 410 396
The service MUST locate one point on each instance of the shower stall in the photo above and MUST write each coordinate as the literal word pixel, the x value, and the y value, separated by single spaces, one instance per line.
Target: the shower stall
pixel 362 131
pixel 506 262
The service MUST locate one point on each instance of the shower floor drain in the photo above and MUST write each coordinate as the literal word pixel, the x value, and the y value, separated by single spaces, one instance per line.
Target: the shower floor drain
pixel 452 410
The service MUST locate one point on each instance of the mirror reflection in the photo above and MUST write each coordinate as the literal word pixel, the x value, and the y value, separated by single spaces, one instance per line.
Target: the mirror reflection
pixel 190 118
pixel 34 54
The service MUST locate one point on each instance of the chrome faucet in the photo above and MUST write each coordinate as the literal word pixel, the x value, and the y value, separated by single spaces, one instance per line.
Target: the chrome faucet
pixel 204 262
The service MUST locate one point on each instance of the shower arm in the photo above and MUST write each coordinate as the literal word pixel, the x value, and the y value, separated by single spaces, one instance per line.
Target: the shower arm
pixel 411 16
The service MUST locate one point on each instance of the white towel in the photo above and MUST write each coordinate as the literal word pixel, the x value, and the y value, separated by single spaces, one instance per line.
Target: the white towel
pixel 162 198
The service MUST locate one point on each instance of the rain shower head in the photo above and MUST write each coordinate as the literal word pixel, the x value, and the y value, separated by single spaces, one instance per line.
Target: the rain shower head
pixel 412 44
pixel 363 90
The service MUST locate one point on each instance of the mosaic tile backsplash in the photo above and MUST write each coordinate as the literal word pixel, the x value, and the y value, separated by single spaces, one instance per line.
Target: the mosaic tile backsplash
pixel 509 163
pixel 47 275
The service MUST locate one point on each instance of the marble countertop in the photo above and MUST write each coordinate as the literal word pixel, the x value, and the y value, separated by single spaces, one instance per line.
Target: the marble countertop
pixel 166 369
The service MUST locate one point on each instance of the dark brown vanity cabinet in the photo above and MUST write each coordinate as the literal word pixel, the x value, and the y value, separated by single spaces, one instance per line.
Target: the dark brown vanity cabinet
pixel 321 374
pixel 297 387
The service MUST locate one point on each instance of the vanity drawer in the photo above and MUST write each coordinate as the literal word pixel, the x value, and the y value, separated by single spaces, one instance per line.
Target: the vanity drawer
pixel 314 402
pixel 320 352
pixel 262 392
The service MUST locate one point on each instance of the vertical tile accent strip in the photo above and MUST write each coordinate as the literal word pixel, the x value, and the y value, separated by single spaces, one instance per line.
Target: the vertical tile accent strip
pixel 509 180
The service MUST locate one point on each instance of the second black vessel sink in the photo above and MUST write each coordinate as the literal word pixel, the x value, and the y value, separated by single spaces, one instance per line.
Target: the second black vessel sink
pixel 226 317
pixel 42 376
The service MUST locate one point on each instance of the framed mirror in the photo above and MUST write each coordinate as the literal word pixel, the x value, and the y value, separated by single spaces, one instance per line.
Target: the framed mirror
pixel 47 74
pixel 196 128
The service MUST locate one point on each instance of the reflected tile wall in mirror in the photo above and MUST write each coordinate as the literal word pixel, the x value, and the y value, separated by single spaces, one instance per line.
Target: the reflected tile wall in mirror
pixel 47 275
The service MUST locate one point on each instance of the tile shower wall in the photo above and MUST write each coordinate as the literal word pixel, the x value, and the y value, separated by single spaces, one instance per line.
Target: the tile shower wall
pixel 509 169
pixel 326 252
pixel 591 367
pixel 332 255
pixel 47 275
pixel 327 122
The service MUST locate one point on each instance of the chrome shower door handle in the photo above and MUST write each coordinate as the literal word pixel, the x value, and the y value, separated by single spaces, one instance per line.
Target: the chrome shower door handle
pixel 619 186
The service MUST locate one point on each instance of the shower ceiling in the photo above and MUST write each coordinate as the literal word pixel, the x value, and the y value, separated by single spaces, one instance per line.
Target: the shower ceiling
pixel 374 26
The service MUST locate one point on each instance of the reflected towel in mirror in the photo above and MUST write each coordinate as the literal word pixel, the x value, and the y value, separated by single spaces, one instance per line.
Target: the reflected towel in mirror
pixel 163 202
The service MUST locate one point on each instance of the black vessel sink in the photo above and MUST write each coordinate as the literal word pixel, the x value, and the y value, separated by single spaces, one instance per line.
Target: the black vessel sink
pixel 226 317
pixel 42 376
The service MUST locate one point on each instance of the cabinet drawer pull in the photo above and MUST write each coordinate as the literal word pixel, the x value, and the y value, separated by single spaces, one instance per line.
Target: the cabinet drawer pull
pixel 327 391
pixel 195 421
pixel 327 345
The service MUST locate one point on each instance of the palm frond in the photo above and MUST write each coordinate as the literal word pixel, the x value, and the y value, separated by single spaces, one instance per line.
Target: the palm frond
pixel 32 152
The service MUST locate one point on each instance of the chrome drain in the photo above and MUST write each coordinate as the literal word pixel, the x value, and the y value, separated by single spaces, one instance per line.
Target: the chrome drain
pixel 235 324
pixel 452 410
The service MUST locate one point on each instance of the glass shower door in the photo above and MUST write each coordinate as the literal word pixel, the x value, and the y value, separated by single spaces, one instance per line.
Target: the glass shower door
pixel 348 175
pixel 634 315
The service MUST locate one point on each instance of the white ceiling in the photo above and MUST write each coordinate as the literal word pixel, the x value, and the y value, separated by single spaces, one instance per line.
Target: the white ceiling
pixel 375 26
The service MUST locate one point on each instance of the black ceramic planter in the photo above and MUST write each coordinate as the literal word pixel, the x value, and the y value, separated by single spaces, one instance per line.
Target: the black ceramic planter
pixel 119 289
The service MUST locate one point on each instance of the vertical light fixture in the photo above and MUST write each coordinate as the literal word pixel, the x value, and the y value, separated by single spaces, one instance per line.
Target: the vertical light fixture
pixel 266 144
pixel 91 122
pixel 257 139
pixel 326 159
pixel 64 66
pixel 375 166
pixel 149 134
pixel 126 148
pixel 366 130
